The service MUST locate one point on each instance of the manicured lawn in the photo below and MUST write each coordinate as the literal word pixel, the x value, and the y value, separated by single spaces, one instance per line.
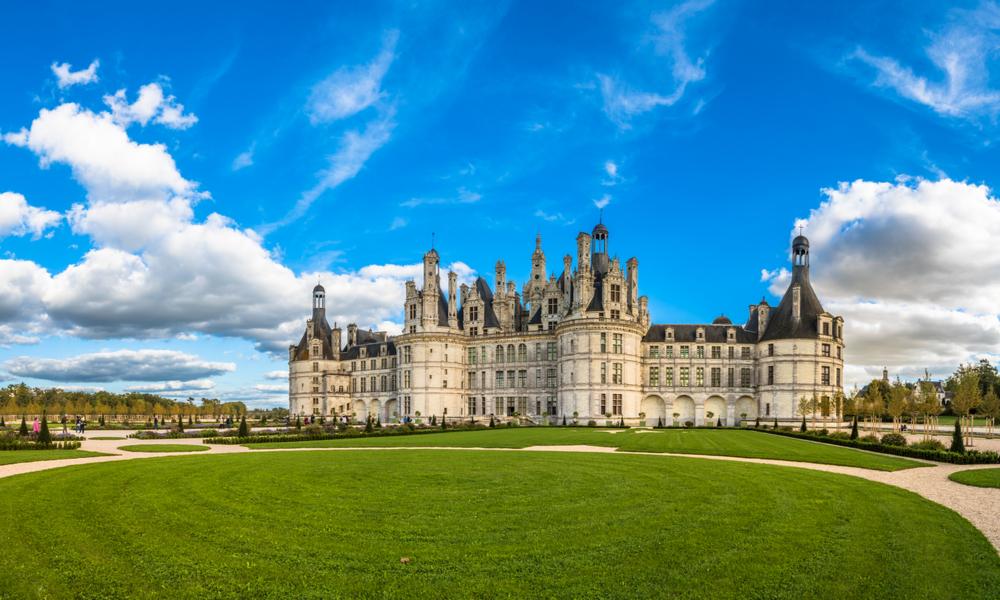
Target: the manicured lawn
pixel 164 448
pixel 725 442
pixel 477 524
pixel 978 477
pixel 9 457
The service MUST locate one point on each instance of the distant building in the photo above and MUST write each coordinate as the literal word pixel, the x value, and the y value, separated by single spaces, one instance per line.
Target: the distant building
pixel 577 344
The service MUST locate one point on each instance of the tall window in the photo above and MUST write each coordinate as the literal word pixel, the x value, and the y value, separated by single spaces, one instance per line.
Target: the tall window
pixel 522 353
pixel 604 404
pixel 473 355
pixel 550 350
pixel 550 378
pixel 732 352
pixel 522 378
pixel 731 377
pixel 472 406
pixel 616 292
pixel 838 376
pixel 406 405
pixel 654 352
pixel 745 352
pixel 685 352
pixel 616 342
pixel 616 373
pixel 685 376
pixel 315 367
pixel 826 349
pixel 604 372
pixel 770 349
pixel 604 342
pixel 385 383
pixel 499 380
pixel 364 383
pixel 473 316
pixel 826 329
pixel 716 375
pixel 825 376
pixel 669 351
pixel 699 376
pixel 700 352
pixel 745 377
pixel 552 406
pixel 616 404
pixel 538 351
pixel 413 310
pixel 616 314
pixel 668 376
pixel 407 355
pixel 511 357
pixel 553 306
pixel 770 375
pixel 716 352
pixel 654 376
pixel 498 355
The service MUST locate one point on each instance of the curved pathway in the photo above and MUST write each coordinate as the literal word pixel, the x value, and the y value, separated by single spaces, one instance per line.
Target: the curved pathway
pixel 981 506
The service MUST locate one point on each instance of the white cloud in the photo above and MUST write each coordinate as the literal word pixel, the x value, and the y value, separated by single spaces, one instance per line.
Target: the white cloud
pixel 243 159
pixel 397 223
pixel 963 52
pixel 65 77
pixel 623 102
pixel 276 375
pixel 462 196
pixel 151 105
pixel 119 365
pixel 913 268
pixel 18 218
pixel 602 201
pixel 277 388
pixel 173 386
pixel 553 217
pixel 350 90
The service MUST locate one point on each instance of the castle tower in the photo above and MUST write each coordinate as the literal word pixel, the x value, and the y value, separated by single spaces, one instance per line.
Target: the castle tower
pixel 319 303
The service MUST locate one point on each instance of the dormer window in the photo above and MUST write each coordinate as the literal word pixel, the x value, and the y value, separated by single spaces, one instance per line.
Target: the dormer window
pixel 616 292
pixel 315 351
pixel 701 334
pixel 362 350
pixel 670 334
pixel 473 313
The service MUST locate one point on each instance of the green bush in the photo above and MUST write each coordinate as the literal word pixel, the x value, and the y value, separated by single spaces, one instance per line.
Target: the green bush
pixel 854 429
pixel 591 423
pixel 957 443
pixel 893 439
pixel 244 431
pixel 928 445
pixel 23 430
pixel 968 458
pixel 689 423
pixel 840 435
pixel 44 437
pixel 869 439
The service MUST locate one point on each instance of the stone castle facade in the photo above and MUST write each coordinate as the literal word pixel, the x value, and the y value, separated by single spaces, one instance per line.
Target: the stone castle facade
pixel 579 345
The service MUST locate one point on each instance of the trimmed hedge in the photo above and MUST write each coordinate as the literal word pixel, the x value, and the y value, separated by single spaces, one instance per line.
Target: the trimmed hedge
pixel 348 434
pixel 972 457
pixel 16 444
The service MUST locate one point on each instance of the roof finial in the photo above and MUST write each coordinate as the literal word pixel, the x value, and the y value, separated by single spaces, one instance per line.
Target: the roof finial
pixel 432 240
pixel 600 218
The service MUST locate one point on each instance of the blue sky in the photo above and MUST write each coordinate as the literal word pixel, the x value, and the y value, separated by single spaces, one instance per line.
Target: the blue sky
pixel 172 193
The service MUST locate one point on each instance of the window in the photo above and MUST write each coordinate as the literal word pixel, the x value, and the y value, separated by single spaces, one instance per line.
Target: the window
pixel 732 352
pixel 654 352
pixel 392 383
pixel 472 406
pixel 385 383
pixel 745 352
pixel 668 376
pixel 826 329
pixel 552 326
pixel 699 376
pixel 616 404
pixel 473 316
pixel 770 349
pixel 616 373
pixel 511 357
pixel 716 377
pixel 767 408
pixel 770 375
pixel 406 379
pixel 838 376
pixel 700 352
pixel 353 366
pixel 406 405
pixel 616 343
pixel 685 351
pixel 373 383
pixel 522 353
pixel 826 349
pixel 616 314
pixel 685 376
pixel 315 400
pixel 538 351
pixel 654 376
pixel 551 403
pixel 716 352
pixel 550 350
pixel 407 355
pixel 499 380
pixel 669 351
pixel 825 376
pixel 604 342
pixel 839 352
pixel 385 363
pixel 315 350
pixel 616 292
pixel 498 355
pixel 473 355
pixel 604 404
pixel 373 364
pixel 745 377
pixel 413 310
pixel 522 378
pixel 604 372
pixel 473 331
pixel 550 378
pixel 553 306
pixel 364 383
pixel 315 367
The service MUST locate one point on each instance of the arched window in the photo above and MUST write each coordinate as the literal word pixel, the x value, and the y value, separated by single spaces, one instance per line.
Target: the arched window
pixel 522 353
pixel 499 353
pixel 510 353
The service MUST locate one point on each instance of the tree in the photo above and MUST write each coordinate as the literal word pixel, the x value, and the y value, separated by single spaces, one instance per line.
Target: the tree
pixel 2 423
pixel 23 431
pixel 444 423
pixel 493 422
pixel 368 425
pixel 564 420
pixel 803 427
pixel 44 437
pixel 180 422
pixel 244 431
pixel 957 445
pixel 967 396
pixel 804 407
pixel 930 405
pixel 990 408
pixel 298 422
pixel 898 397
pixel 838 408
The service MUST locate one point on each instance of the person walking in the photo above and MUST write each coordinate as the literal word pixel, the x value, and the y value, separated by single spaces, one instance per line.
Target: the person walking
pixel 36 426
pixel 64 423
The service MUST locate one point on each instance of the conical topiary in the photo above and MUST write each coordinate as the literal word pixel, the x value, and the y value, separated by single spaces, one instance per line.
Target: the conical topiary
pixel 23 430
pixel 298 422
pixel 756 424
pixel 775 422
pixel 493 423
pixel 957 443
pixel 854 429
pixel 444 423
pixel 564 420
pixel 803 426
pixel 719 422
pixel 244 431
pixel 44 437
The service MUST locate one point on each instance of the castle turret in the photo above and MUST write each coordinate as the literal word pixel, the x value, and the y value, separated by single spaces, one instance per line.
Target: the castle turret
pixel 352 335
pixel 452 303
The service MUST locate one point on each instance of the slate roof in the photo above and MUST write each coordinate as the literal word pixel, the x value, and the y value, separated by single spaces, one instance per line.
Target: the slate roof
pixel 781 323
pixel 321 330
pixel 689 333
pixel 371 349
pixel 486 295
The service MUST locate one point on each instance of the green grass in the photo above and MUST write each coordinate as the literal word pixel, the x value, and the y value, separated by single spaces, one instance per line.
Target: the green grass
pixel 978 477
pixel 477 524
pixel 20 456
pixel 164 448
pixel 725 442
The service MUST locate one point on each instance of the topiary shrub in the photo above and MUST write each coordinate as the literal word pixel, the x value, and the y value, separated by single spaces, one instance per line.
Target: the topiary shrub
pixel 659 423
pixel 893 439
pixel 869 439
pixel 244 431
pixel 591 423
pixel 854 429
pixel 803 426
pixel 756 424
pixel 298 422
pixel 719 422
pixel 928 445
pixel 493 423
pixel 564 420
pixel 23 430
pixel 689 423
pixel 775 422
pixel 44 437
pixel 957 443
pixel 839 435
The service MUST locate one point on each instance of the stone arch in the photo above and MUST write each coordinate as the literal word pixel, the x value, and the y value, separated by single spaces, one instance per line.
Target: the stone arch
pixel 375 409
pixel 684 408
pixel 717 406
pixel 746 404
pixel 655 409
pixel 391 406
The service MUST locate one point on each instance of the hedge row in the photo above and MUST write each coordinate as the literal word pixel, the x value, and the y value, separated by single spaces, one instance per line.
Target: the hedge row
pixel 347 434
pixel 16 444
pixel 972 457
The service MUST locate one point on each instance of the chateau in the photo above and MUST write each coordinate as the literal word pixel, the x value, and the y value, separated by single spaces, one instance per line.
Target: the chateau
pixel 579 345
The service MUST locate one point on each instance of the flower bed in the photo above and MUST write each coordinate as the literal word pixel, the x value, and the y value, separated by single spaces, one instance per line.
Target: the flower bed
pixel 346 433
pixel 972 457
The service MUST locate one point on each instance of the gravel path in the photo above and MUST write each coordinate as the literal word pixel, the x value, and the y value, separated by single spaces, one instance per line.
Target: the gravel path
pixel 981 506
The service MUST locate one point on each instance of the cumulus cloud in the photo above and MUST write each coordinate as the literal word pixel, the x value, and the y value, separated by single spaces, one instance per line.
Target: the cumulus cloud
pixel 612 178
pixel 66 77
pixel 272 388
pixel 151 105
pixel 18 218
pixel 119 365
pixel 350 90
pixel 623 102
pixel 276 375
pixel 195 385
pixel 913 268
pixel 963 52
pixel 602 201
